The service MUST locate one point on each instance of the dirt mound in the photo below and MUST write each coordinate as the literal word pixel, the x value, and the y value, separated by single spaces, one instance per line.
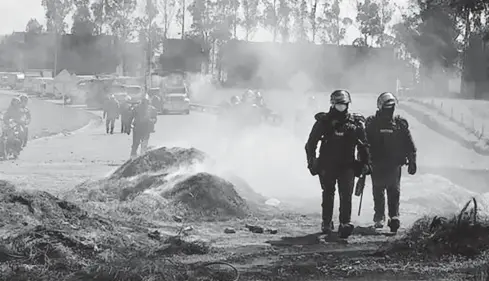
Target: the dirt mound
pixel 207 197
pixel 158 159
pixel 464 234
pixel 28 210
pixel 166 182
pixel 46 238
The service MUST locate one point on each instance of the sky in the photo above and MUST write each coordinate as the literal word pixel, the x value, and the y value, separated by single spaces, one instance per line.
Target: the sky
pixel 14 15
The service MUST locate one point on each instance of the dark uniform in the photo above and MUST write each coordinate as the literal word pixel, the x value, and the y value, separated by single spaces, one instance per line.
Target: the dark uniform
pixel 340 134
pixel 14 111
pixel 17 113
pixel 144 118
pixel 391 147
pixel 111 113
pixel 126 115
pixel 26 118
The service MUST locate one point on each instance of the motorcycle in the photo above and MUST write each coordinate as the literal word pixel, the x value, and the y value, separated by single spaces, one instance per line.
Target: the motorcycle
pixel 11 140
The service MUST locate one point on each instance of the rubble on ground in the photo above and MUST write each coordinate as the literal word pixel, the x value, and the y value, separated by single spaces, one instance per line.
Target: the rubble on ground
pixel 46 238
pixel 465 234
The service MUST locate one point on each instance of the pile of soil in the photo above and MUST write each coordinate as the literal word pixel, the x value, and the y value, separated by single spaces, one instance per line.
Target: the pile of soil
pixel 159 159
pixel 207 197
pixel 152 187
pixel 465 234
pixel 46 238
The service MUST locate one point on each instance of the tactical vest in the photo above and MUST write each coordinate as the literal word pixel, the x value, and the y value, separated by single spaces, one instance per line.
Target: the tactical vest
pixel 387 141
pixel 339 141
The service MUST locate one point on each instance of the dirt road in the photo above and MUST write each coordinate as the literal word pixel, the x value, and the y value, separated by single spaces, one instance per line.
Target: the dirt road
pixel 270 159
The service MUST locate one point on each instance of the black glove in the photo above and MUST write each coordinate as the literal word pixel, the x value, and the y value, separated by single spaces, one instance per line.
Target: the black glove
pixel 361 169
pixel 312 165
pixel 412 168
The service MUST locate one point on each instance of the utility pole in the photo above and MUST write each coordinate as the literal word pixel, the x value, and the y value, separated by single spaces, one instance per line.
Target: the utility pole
pixel 150 14
pixel 55 23
pixel 183 18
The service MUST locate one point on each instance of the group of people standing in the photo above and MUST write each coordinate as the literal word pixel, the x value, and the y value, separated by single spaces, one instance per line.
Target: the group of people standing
pixel 384 144
pixel 139 118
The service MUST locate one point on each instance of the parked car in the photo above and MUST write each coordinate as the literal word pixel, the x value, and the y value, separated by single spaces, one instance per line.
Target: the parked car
pixel 175 100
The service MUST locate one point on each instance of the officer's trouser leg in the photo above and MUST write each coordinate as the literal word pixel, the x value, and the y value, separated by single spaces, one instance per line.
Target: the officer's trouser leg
pixel 346 183
pixel 394 193
pixel 112 125
pixel 122 126
pixel 379 201
pixel 144 142
pixel 385 178
pixel 136 140
pixel 328 182
pixel 107 125
pixel 26 136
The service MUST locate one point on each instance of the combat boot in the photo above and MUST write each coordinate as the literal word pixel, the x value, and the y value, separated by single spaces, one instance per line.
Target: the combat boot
pixel 345 230
pixel 327 228
pixel 394 224
pixel 379 224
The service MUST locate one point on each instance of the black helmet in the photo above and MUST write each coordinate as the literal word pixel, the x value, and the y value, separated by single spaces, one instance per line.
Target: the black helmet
pixel 386 99
pixel 340 97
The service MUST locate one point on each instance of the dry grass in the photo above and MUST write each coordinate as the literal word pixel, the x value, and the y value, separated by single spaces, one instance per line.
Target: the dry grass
pixel 465 235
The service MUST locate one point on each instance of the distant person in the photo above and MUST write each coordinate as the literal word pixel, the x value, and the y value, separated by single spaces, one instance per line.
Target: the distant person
pixel 340 134
pixel 144 117
pixel 16 112
pixel 391 147
pixel 24 100
pixel 111 113
pixel 126 113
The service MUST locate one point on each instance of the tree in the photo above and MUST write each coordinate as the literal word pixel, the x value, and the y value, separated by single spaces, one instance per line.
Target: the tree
pixel 56 13
pixel 115 17
pixel 301 15
pixel 276 18
pixel 234 18
pixel 82 19
pixel 168 9
pixel 251 17
pixel 386 11
pixel 368 16
pixel 430 36
pixel 270 18
pixel 333 25
pixel 313 19
pixel 33 26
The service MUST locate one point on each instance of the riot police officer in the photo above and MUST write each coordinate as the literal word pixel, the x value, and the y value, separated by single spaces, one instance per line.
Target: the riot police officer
pixel 340 134
pixel 392 146
pixel 144 117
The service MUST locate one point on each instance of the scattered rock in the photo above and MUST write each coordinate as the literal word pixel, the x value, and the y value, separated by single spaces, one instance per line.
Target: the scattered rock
pixel 229 230
pixel 177 218
pixel 255 228
pixel 272 231
pixel 154 235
